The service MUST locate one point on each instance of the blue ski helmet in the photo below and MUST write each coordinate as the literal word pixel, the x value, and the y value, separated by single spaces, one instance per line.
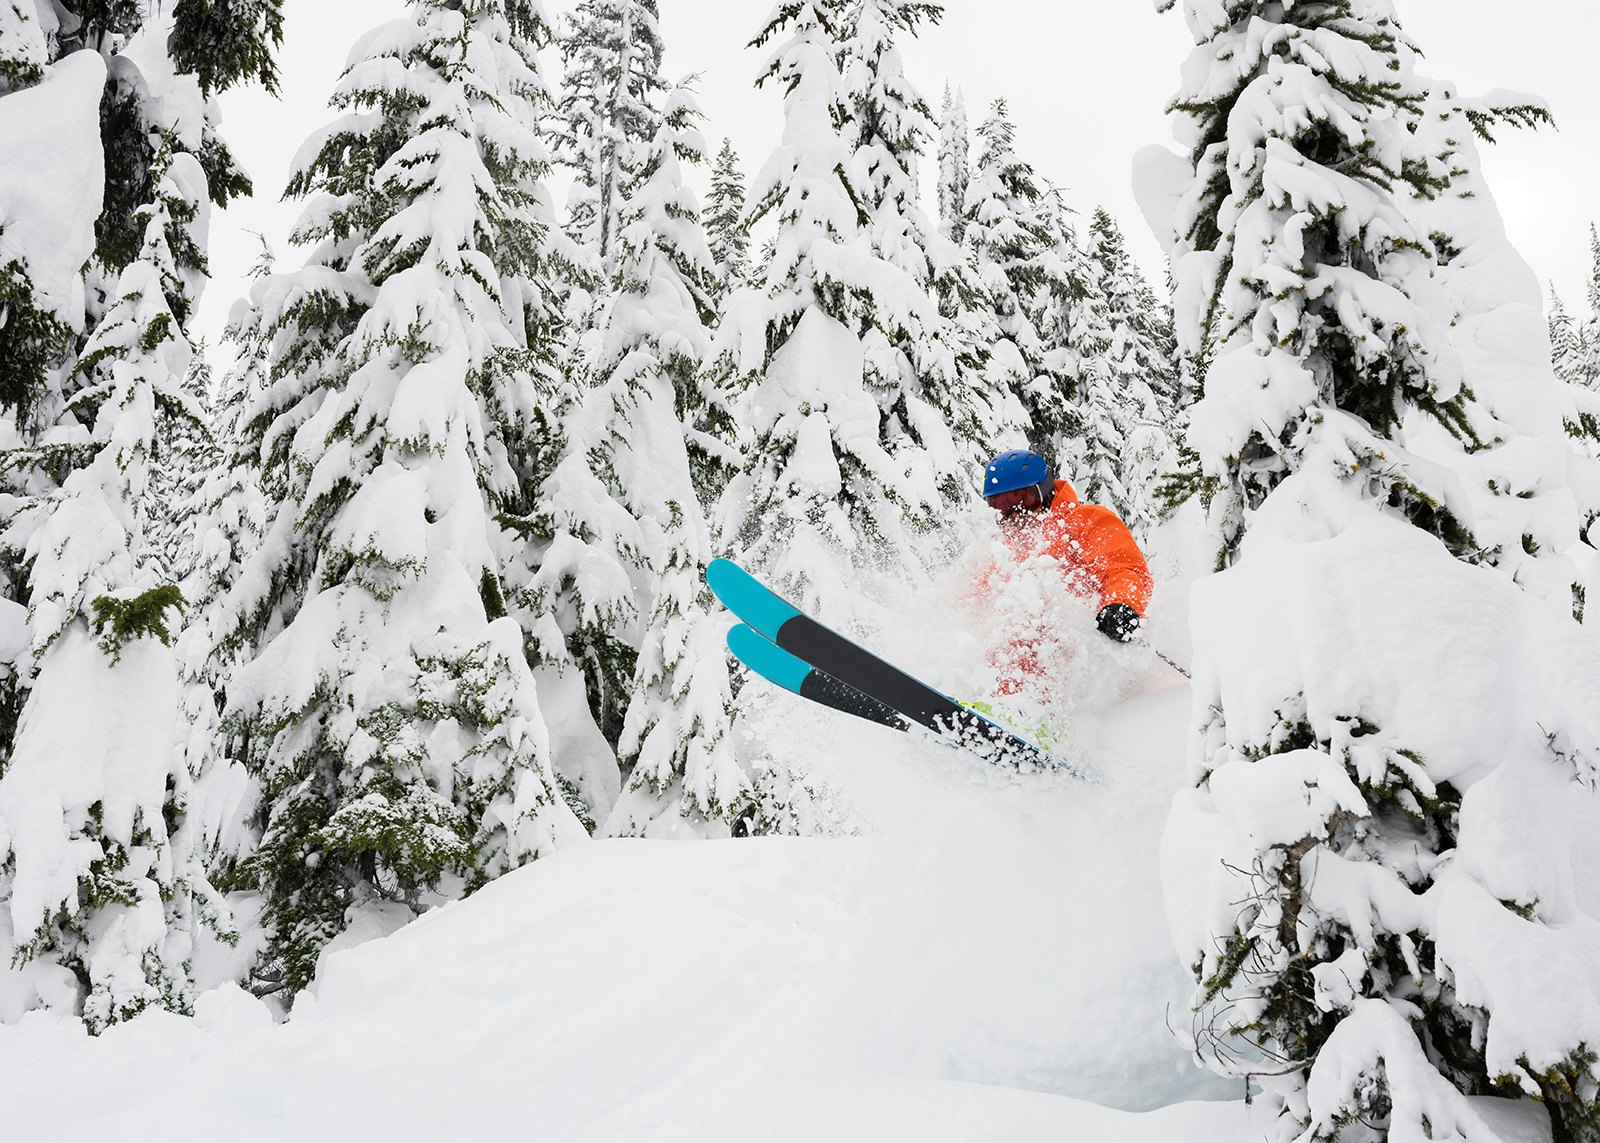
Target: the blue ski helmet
pixel 1013 469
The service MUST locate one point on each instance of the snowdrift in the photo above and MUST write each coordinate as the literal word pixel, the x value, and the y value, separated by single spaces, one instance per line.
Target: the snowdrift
pixel 985 957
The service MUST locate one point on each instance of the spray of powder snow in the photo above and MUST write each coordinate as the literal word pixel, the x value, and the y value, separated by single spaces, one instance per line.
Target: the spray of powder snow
pixel 958 627
pixel 986 618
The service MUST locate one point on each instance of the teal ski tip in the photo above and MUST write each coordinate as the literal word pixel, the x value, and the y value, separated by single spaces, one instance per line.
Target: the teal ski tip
pixel 747 597
pixel 766 658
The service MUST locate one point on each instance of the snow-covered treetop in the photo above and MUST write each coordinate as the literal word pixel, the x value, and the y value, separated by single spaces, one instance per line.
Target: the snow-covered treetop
pixel 1303 277
pixel 954 169
pixel 608 110
pixel 800 185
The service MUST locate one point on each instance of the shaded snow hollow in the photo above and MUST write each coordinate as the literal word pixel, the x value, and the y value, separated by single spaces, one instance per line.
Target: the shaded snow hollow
pixel 988 958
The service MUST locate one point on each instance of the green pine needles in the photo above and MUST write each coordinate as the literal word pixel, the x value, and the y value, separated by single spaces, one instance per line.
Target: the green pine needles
pixel 33 341
pixel 120 621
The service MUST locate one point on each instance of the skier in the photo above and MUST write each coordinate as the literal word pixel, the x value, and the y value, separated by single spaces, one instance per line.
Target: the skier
pixel 1097 554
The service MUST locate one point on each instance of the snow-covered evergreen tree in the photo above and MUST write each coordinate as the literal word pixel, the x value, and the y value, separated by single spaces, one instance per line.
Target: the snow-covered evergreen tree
pixel 816 469
pixel 1575 342
pixel 1366 919
pixel 148 105
pixel 918 362
pixel 224 42
pixel 102 881
pixel 954 169
pixel 608 111
pixel 675 739
pixel 850 377
pixel 1147 345
pixel 1010 235
pixel 213 46
pixel 725 224
pixel 1086 424
pixel 1377 368
pixel 1571 356
pixel 589 564
pixel 582 551
pixel 220 524
pixel 1102 422
pixel 49 229
pixel 112 162
pixel 386 706
pixel 1062 306
pixel 1141 356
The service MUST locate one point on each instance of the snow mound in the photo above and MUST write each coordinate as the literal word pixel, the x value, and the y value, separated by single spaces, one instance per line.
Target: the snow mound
pixel 985 957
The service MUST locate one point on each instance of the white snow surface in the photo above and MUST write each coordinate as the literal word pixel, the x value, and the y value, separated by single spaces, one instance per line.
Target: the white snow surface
pixel 979 955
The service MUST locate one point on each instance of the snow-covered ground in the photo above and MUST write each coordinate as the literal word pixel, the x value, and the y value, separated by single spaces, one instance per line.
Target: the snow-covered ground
pixel 981 957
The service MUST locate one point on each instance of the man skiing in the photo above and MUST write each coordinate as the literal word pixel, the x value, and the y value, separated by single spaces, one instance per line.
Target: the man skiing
pixel 1097 554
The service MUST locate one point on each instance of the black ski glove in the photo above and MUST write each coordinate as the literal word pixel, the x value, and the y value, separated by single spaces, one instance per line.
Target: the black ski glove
pixel 1118 621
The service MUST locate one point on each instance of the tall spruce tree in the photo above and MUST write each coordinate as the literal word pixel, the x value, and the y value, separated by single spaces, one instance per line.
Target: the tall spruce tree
pixel 1084 425
pixel 1343 843
pixel 918 359
pixel 104 895
pixel 1570 353
pixel 1147 344
pixel 590 564
pixel 849 376
pixel 955 172
pixel 386 706
pixel 1140 357
pixel 101 877
pixel 1376 370
pixel 817 474
pixel 1010 236
pixel 675 739
pixel 1592 324
pixel 608 112
pixel 1575 342
pixel 725 223
pixel 212 539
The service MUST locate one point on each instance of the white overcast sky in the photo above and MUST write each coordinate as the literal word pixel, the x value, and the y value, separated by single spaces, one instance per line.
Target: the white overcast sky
pixel 1086 83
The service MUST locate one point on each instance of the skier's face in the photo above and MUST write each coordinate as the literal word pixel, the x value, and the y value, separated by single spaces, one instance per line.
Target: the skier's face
pixel 1018 500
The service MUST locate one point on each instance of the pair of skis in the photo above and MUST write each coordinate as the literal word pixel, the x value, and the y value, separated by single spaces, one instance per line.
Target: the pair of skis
pixel 787 647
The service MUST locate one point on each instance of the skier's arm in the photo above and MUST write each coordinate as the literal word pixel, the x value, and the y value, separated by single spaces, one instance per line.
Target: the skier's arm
pixel 1112 555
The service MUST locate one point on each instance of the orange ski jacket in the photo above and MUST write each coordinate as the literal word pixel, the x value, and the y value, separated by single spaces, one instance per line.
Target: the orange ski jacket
pixel 1097 553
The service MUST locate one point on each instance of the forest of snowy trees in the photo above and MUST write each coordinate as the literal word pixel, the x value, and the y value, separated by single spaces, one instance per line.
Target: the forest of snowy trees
pixel 418 582
pixel 412 593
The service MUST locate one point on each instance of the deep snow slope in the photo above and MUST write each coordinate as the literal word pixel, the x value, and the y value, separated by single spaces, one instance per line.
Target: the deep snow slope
pixel 985 958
